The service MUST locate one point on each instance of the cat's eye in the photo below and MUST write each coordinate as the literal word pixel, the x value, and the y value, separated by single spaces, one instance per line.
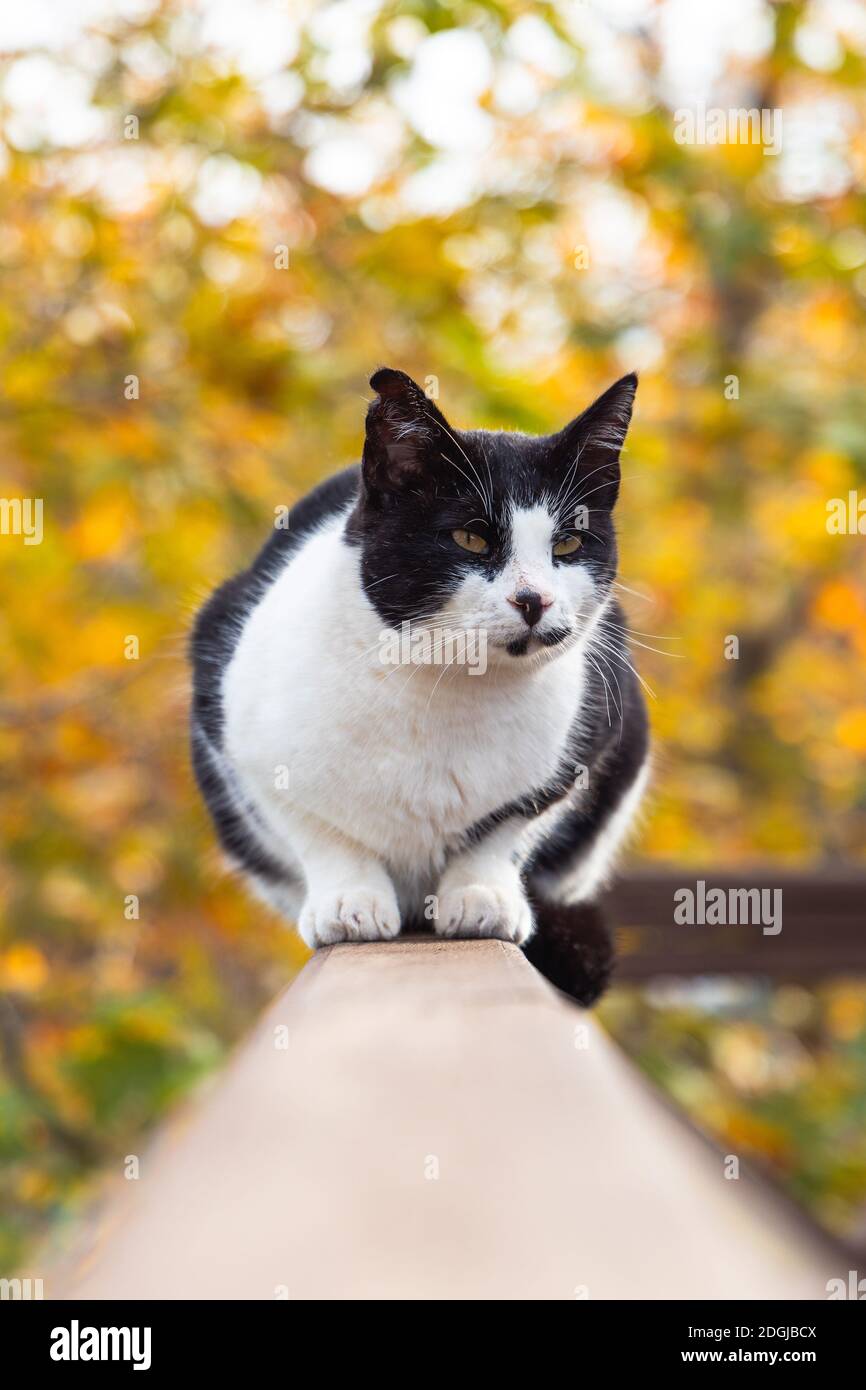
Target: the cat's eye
pixel 567 546
pixel 471 541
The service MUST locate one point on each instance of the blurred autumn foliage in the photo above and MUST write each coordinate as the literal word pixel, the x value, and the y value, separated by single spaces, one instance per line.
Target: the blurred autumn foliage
pixel 210 232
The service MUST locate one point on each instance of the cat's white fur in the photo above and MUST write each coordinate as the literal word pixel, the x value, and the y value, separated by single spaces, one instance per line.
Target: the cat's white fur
pixel 363 776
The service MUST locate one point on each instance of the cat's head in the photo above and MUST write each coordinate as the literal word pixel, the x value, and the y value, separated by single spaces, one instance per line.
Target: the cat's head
pixel 502 533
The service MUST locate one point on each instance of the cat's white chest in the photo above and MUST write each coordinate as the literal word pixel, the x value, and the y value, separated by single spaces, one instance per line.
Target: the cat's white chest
pixel 438 758
pixel 402 759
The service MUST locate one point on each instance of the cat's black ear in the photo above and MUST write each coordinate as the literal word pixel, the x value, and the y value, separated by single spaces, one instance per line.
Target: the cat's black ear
pixel 590 446
pixel 405 434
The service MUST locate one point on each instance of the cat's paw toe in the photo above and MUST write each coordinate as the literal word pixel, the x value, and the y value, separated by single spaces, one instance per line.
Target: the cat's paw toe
pixel 480 910
pixel 355 914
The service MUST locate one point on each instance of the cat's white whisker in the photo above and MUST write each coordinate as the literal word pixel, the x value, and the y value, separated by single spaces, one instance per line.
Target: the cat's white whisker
pixel 605 685
pixel 617 656
pixel 611 672
pixel 581 499
pixel 645 598
pixel 679 656
pixel 475 486
pixel 488 501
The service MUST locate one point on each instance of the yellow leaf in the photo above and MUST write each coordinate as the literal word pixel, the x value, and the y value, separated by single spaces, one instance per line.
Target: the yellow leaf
pixel 23 968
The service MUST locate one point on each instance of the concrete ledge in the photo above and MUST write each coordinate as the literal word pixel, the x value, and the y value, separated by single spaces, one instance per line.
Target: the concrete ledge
pixel 428 1120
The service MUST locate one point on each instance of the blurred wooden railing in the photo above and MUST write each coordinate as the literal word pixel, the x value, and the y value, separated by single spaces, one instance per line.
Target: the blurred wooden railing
pixel 428 1120
pixel 823 926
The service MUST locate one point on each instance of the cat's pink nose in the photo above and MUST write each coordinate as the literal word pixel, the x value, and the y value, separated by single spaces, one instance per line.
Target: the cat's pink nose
pixel 531 604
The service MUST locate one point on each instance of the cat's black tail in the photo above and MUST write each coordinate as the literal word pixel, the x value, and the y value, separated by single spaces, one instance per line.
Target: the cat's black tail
pixel 572 947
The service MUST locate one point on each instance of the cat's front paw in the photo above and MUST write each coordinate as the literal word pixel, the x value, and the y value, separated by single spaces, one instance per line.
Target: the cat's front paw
pixel 480 909
pixel 354 914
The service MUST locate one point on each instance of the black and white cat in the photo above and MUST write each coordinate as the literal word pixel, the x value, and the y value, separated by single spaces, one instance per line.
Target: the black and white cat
pixel 362 792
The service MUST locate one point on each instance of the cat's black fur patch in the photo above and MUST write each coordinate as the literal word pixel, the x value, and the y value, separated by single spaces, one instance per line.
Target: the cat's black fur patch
pixel 236 830
pixel 572 947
